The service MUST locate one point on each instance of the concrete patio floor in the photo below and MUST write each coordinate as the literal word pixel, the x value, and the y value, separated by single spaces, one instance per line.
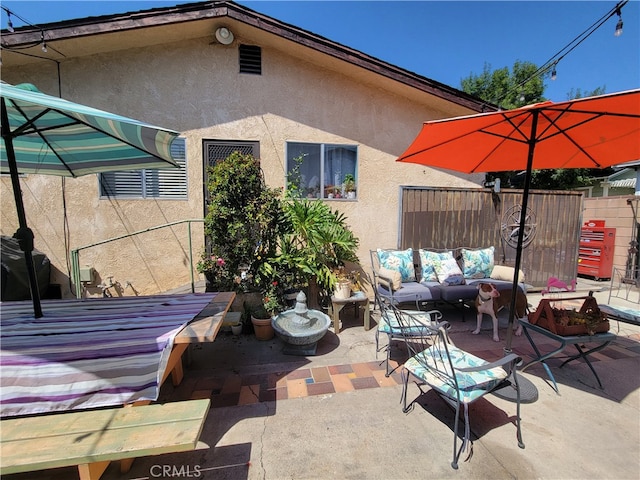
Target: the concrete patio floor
pixel 335 415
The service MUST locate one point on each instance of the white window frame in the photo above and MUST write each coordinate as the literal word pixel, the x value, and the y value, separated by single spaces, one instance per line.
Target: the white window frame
pixel 324 188
pixel 161 184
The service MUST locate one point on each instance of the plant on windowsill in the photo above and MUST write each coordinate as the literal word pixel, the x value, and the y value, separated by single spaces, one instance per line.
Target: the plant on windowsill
pixel 350 185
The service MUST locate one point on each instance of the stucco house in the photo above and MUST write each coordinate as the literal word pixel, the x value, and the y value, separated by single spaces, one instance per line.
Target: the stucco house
pixel 226 77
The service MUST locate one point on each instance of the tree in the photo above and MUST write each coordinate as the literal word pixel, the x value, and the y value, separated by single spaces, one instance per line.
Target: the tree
pixel 504 88
pixel 523 86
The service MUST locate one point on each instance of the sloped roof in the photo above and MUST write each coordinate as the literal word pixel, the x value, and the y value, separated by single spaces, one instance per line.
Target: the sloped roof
pixel 62 38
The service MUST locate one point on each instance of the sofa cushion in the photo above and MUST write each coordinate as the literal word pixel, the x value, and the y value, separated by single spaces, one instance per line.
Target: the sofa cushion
pixel 449 273
pixel 428 261
pixel 400 260
pixel 412 292
pixel 394 275
pixel 477 263
pixel 502 272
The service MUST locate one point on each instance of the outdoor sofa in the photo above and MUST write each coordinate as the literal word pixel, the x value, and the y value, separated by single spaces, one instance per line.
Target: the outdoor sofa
pixel 427 277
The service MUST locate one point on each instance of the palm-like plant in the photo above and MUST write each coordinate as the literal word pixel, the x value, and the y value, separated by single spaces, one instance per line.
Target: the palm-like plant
pixel 317 242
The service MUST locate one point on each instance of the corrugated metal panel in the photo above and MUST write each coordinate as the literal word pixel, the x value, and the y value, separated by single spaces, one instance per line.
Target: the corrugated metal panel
pixel 450 218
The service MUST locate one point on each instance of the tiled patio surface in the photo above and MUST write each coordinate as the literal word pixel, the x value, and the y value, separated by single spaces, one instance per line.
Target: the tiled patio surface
pixel 229 388
pixel 336 415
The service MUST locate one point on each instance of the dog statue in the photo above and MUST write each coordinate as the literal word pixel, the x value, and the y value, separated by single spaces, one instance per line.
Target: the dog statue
pixel 491 301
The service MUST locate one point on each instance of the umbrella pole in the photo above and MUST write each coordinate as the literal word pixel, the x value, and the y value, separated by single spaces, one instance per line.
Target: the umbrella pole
pixel 525 201
pixel 24 233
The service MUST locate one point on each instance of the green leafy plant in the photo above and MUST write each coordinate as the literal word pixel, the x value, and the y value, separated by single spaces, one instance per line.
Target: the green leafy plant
pixel 272 301
pixel 349 183
pixel 215 269
pixel 316 243
pixel 243 223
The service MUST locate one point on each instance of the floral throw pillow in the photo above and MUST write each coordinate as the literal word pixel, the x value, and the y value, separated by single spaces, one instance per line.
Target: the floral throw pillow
pixel 477 263
pixel 428 262
pixel 399 260
pixel 449 272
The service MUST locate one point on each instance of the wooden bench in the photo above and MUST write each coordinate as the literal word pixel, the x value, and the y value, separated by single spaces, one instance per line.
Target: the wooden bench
pixel 91 439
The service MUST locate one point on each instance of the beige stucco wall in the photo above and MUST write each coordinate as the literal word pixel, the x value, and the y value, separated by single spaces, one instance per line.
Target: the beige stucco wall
pixel 193 87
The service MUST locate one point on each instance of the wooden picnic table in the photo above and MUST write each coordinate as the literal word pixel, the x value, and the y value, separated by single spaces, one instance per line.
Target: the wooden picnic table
pixel 204 328
pixel 100 352
pixel 200 317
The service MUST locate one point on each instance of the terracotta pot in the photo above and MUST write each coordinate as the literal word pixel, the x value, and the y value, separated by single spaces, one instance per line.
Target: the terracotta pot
pixel 262 328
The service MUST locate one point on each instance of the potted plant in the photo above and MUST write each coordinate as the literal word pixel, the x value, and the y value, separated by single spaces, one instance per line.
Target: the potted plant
pixel 216 272
pixel 317 241
pixel 343 284
pixel 262 314
pixel 350 185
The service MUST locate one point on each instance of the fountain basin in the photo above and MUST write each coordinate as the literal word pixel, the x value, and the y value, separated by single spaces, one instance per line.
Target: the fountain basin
pixel 300 329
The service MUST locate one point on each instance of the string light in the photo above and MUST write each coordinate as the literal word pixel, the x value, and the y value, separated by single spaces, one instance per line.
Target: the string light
pixel 618 31
pixel 42 42
pixel 553 61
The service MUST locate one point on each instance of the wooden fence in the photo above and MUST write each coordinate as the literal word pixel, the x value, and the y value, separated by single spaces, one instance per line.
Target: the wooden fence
pixel 478 218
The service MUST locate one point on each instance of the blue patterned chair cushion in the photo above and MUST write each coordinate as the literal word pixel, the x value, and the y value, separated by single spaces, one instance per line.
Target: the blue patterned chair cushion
pixel 477 263
pixel 399 260
pixel 429 260
pixel 427 364
pixel 389 323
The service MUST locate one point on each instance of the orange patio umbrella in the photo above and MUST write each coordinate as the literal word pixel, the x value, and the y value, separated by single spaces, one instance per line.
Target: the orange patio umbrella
pixel 592 132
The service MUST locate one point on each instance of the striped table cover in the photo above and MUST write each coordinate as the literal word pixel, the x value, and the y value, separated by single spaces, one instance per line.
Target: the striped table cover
pixel 88 353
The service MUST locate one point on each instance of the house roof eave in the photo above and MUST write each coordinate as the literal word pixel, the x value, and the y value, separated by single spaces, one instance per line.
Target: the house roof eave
pixel 203 13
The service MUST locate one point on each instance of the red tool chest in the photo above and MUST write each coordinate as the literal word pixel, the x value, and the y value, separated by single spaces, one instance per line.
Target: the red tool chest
pixel 595 252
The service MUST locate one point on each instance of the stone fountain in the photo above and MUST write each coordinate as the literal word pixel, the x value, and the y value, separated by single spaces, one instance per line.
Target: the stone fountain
pixel 301 328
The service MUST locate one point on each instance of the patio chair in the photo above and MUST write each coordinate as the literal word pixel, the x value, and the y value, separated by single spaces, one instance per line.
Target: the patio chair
pixel 417 320
pixel 457 376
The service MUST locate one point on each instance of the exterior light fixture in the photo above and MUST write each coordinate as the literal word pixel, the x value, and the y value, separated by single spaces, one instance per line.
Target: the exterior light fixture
pixel 224 36
pixel 618 31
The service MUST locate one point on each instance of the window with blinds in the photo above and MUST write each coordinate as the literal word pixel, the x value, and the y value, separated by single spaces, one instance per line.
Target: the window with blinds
pixel 169 183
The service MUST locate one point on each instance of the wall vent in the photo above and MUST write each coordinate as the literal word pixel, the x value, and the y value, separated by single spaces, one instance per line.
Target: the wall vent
pixel 250 59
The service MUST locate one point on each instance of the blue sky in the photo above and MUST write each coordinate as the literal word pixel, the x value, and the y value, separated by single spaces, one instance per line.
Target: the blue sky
pixel 444 41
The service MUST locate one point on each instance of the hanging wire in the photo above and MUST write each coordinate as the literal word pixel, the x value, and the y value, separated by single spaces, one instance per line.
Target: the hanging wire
pixel 26 46
pixel 551 64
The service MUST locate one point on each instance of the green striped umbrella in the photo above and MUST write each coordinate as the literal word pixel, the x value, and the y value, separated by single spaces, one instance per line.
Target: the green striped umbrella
pixel 48 135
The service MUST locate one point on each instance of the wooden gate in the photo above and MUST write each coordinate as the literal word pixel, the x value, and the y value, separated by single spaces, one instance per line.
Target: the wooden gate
pixel 477 218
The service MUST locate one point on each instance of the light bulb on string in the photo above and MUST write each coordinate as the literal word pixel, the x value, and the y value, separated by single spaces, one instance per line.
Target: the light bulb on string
pixel 618 30
pixel 554 75
pixel 9 22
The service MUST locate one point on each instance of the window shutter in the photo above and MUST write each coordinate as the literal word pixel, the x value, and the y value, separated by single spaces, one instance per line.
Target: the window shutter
pixel 121 184
pixel 169 183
